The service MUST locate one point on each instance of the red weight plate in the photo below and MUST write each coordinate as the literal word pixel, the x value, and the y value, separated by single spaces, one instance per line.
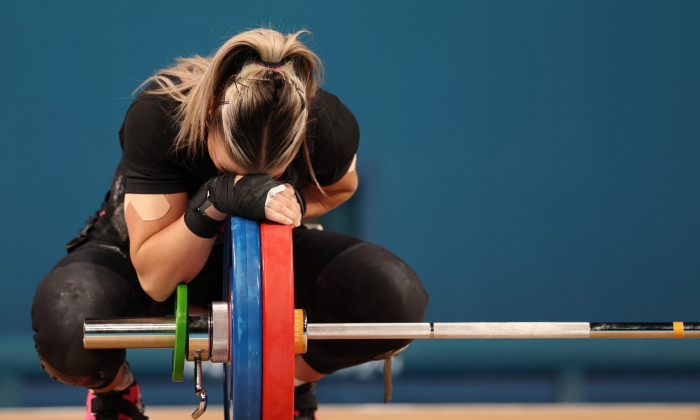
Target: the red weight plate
pixel 278 321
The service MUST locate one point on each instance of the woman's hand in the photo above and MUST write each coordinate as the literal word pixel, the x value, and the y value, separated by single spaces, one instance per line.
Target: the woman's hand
pixel 282 206
pixel 255 197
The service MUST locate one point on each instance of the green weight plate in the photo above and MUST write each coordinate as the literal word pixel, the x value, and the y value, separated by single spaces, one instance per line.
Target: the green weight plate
pixel 180 333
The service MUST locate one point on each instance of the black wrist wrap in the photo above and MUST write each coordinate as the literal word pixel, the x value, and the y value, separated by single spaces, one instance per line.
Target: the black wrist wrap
pixel 196 220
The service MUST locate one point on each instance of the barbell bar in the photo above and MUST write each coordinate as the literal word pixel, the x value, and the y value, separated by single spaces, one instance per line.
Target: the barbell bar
pixel 160 332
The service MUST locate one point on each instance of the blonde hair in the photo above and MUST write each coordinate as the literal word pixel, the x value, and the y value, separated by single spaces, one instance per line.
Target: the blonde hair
pixel 254 93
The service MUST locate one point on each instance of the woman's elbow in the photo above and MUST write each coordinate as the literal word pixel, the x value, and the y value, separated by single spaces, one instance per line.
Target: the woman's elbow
pixel 351 182
pixel 154 289
pixel 347 194
pixel 155 279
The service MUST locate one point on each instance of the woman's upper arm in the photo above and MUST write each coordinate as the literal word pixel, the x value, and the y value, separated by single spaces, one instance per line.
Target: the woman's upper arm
pixel 155 187
pixel 148 214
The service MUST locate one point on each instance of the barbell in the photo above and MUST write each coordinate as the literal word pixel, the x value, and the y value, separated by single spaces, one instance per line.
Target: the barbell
pixel 257 331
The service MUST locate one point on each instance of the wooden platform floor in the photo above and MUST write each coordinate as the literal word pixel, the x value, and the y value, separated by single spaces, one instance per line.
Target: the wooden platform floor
pixel 417 412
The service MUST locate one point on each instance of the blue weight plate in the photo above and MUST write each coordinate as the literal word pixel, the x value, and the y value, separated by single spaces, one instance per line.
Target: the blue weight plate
pixel 243 374
pixel 226 283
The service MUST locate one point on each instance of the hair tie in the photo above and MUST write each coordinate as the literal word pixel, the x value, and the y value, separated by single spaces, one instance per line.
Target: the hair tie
pixel 272 66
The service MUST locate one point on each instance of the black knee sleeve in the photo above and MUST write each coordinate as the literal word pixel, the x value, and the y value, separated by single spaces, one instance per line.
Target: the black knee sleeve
pixel 81 286
pixel 365 283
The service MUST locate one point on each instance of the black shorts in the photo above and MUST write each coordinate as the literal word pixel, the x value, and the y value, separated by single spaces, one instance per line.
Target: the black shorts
pixel 337 278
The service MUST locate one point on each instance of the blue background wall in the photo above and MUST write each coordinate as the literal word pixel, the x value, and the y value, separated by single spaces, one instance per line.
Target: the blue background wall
pixel 532 160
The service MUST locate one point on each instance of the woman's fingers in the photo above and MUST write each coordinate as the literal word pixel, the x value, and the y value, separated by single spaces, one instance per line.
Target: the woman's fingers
pixel 283 207
pixel 290 194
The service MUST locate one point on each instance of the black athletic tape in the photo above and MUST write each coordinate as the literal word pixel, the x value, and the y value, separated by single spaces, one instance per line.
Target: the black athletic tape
pixel 196 220
pixel 250 194
pixel 221 192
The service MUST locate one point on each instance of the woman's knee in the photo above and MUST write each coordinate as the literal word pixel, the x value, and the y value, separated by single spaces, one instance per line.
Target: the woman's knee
pixel 72 291
pixel 367 283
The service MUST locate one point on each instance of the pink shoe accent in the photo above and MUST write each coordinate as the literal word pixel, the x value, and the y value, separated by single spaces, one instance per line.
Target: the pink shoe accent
pixel 88 405
pixel 297 413
pixel 131 394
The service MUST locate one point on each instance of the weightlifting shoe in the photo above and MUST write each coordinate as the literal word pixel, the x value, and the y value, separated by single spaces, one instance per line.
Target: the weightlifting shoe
pixel 305 404
pixel 115 405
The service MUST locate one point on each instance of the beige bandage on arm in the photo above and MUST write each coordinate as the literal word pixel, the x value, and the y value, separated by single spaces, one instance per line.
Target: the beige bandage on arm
pixel 353 164
pixel 148 206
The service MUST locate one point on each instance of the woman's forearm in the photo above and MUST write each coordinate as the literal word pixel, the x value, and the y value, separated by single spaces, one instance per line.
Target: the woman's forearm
pixel 163 250
pixel 319 203
pixel 170 257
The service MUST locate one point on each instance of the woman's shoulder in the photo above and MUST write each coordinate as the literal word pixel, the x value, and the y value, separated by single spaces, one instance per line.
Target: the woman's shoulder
pixel 333 137
pixel 332 120
pixel 149 98
pixel 149 129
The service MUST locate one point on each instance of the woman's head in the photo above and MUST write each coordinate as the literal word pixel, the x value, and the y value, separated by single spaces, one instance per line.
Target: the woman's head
pixel 260 116
pixel 252 98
